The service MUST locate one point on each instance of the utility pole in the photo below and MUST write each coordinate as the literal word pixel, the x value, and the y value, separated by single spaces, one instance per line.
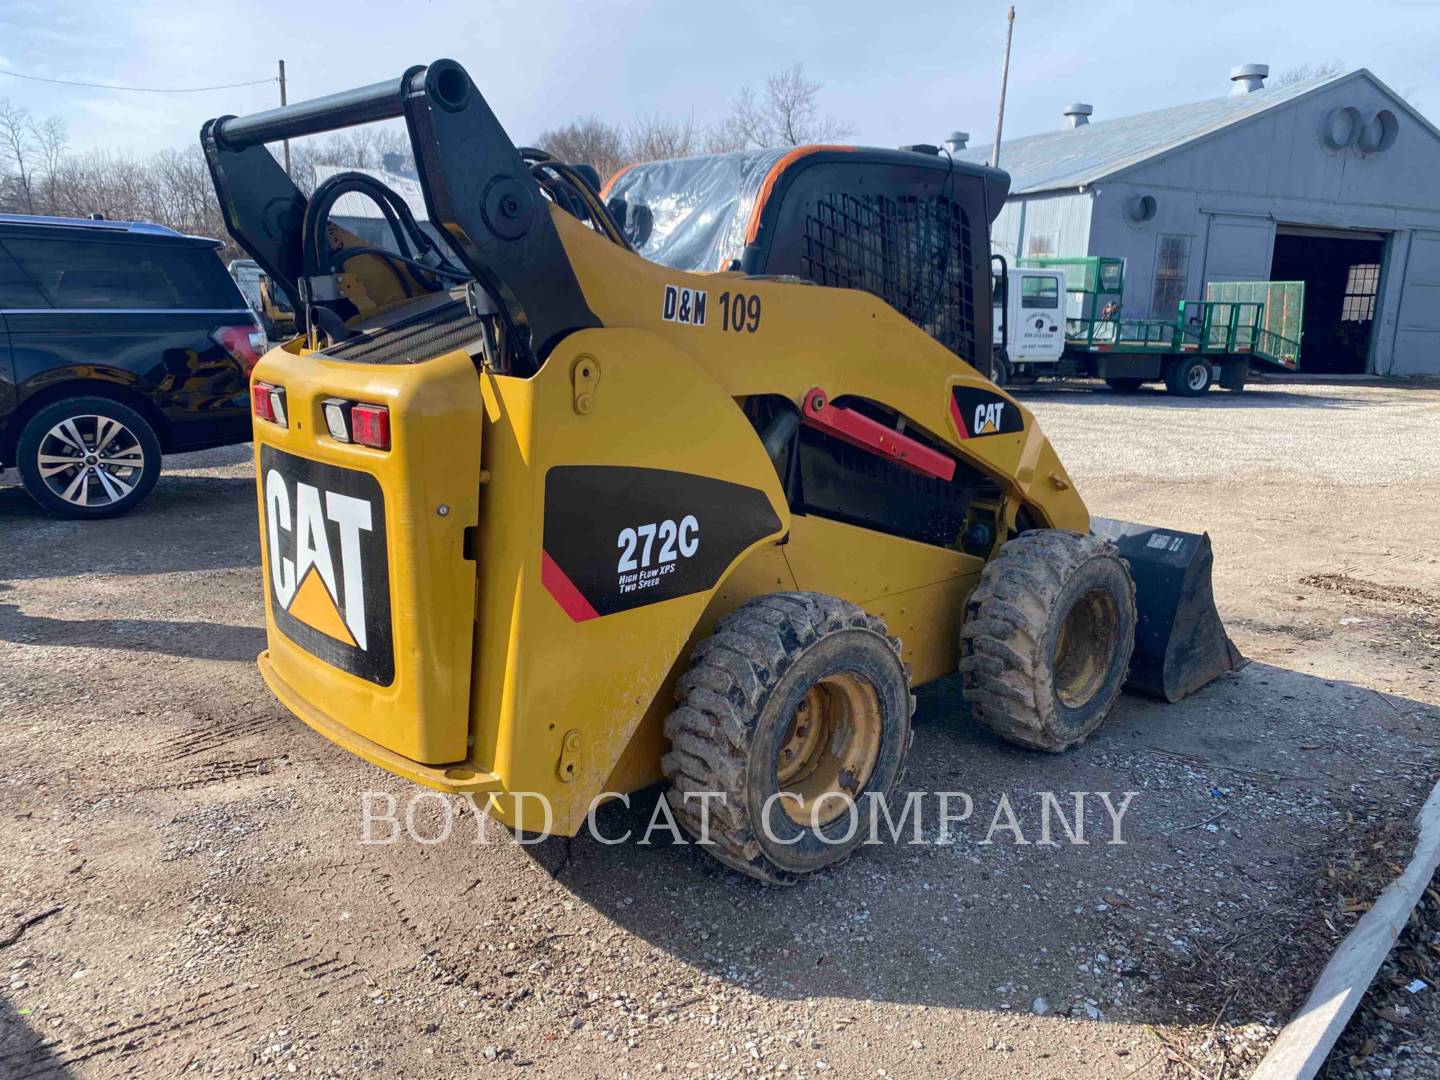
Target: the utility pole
pixel 287 141
pixel 1004 81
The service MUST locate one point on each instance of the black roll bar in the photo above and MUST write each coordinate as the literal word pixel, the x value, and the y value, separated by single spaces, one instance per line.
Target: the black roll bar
pixel 478 191
pixel 348 108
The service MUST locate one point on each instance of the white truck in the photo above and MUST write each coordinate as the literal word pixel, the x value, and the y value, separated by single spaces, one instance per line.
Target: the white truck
pixel 1028 323
pixel 1061 317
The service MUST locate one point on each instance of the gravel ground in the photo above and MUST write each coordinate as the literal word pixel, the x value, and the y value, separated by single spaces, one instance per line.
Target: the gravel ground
pixel 1396 1029
pixel 183 887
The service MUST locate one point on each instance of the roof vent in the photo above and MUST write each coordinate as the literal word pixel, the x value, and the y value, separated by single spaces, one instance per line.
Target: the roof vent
pixel 956 141
pixel 1078 114
pixel 1248 77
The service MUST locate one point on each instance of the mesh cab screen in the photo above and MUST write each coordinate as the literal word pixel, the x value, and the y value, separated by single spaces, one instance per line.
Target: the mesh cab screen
pixel 911 251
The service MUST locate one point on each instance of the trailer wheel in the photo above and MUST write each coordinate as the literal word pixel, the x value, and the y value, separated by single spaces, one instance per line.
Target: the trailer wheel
pixel 1125 386
pixel 1047 638
pixel 794 716
pixel 1189 376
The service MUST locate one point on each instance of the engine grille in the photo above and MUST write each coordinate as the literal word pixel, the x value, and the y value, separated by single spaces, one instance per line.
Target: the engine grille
pixel 414 340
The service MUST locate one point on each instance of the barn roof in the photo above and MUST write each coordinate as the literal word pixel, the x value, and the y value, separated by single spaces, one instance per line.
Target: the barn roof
pixel 1073 157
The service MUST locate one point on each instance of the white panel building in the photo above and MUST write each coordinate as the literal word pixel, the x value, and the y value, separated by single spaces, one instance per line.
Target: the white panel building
pixel 1334 181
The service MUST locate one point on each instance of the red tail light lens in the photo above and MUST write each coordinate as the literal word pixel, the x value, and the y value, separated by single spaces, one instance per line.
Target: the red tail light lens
pixel 245 343
pixel 370 426
pixel 267 402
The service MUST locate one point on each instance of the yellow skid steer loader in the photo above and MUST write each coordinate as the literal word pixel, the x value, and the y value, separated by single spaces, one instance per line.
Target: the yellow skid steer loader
pixel 540 516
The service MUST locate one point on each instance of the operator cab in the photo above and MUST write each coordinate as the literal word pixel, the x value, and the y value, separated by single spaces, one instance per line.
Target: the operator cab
pixel 909 226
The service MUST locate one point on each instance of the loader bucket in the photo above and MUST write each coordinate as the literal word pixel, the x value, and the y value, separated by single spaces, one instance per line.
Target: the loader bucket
pixel 1180 643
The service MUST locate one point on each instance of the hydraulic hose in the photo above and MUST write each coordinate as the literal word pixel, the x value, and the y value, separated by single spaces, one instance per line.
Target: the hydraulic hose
pixel 319 259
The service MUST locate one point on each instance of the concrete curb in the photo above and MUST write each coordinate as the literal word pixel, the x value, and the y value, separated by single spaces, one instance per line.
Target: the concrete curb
pixel 1305 1041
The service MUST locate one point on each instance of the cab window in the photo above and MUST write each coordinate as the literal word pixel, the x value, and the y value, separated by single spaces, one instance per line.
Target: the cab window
pixel 1039 292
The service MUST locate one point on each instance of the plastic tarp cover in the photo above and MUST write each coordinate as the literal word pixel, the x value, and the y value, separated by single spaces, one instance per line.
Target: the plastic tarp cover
pixel 698 208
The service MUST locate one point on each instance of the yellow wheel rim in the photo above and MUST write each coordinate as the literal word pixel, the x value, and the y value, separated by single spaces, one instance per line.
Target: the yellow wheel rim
pixel 829 747
pixel 1084 648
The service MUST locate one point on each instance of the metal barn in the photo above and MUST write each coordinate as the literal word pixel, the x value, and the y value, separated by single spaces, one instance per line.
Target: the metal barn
pixel 1332 182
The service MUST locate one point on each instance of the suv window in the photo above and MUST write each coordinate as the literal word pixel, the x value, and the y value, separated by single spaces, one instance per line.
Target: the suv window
pixel 91 274
pixel 17 290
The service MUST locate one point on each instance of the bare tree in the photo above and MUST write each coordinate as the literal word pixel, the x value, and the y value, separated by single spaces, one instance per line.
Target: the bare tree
pixel 589 141
pixel 786 114
pixel 51 138
pixel 17 143
pixel 1305 72
pixel 651 137
pixel 39 173
pixel 657 137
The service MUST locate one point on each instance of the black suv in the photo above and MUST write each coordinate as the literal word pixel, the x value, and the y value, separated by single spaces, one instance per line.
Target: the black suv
pixel 119 342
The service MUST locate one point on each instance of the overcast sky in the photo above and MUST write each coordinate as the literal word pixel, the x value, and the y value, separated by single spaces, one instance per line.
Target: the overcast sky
pixel 898 72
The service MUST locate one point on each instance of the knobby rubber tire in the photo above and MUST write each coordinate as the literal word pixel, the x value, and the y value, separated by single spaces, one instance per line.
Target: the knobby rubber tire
pixel 1013 618
pixel 734 704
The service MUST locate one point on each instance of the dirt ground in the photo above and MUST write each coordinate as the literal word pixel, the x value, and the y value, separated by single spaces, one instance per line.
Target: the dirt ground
pixel 184 890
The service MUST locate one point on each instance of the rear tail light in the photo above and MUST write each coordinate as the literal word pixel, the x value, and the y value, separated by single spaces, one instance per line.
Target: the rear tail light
pixel 267 401
pixel 370 426
pixel 353 422
pixel 245 343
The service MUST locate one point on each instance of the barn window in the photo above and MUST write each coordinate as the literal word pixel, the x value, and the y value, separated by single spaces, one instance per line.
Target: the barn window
pixel 1361 285
pixel 1041 244
pixel 1172 273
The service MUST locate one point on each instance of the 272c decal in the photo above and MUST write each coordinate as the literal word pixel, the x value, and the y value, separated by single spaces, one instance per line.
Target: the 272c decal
pixel 621 537
pixel 682 539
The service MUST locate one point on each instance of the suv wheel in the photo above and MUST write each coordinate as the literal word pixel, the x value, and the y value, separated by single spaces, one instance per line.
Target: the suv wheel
pixel 88 457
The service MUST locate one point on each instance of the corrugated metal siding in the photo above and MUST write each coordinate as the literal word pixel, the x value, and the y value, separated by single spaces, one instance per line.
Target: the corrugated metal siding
pixel 1059 224
pixel 1005 232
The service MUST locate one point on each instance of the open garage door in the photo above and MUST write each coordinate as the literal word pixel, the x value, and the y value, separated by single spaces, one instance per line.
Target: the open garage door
pixel 1341 271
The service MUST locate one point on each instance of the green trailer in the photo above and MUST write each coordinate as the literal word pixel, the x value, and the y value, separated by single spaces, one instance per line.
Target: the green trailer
pixel 1277 341
pixel 1216 339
